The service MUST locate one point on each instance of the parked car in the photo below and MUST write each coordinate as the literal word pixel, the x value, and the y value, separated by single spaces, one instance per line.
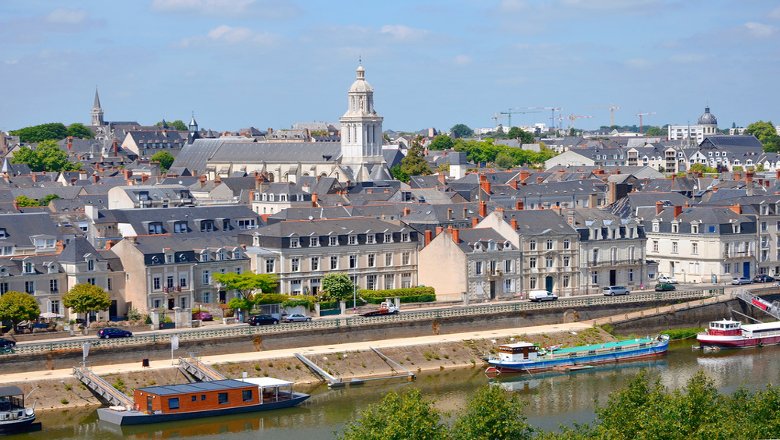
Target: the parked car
pixel 616 290
pixel 296 317
pixel 763 278
pixel 662 287
pixel 202 315
pixel 741 280
pixel 7 343
pixel 263 320
pixel 113 332
pixel 541 295
pixel 667 280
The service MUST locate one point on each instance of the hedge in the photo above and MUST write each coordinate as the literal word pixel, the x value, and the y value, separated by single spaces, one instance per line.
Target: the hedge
pixel 410 295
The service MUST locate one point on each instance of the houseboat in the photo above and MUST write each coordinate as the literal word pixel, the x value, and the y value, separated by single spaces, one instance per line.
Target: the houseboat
pixel 14 416
pixel 203 399
pixel 524 357
pixel 727 333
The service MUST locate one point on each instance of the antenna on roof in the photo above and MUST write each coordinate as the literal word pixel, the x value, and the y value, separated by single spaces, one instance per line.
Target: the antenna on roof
pixel 360 60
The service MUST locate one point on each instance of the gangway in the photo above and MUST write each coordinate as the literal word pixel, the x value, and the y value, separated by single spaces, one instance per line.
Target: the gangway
pixel 772 309
pixel 102 389
pixel 197 369
pixel 391 363
pixel 318 370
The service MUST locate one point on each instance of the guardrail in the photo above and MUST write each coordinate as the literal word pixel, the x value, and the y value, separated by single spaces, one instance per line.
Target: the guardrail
pixel 477 310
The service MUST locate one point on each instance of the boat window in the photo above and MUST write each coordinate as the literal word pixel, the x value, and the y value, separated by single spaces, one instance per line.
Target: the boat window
pixel 222 398
pixel 247 395
pixel 173 403
pixel 202 397
pixel 194 398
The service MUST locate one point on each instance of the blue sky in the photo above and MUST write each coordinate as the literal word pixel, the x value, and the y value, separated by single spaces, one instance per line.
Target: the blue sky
pixel 272 63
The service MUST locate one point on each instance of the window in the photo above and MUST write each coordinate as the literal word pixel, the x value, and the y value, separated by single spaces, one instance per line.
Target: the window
pixel 182 281
pixel 29 287
pixel 270 264
pixel 675 228
pixel 566 244
pixel 222 398
pixel 246 395
pixel 406 258
pixel 179 227
pixel 388 238
pixel 508 286
pixel 655 226
pixel 315 263
pixel 549 244
pixel 169 281
pixel 352 239
pixel 371 282
pixel 156 284
pixel 532 262
pixel 334 241
pixel 247 224
pixel 314 241
pixel 221 255
pixel 206 226
pixel 370 239
pixel 53 288
pixel 630 275
pixel 334 263
pixel 595 256
pixel 695 248
pixel 532 245
pixel 405 237
pixel 91 281
pixel 295 243
pixel 91 265
pixel 389 281
pixel 169 259
pixel 372 260
pixel 206 278
pixel 694 229
pixel 388 259
pixel 674 247
pixel 566 261
pixel 655 246
pixel 155 228
pixel 549 262
pixel 507 266
pixel 295 264
pixel 478 268
pixel 54 306
pixel 532 283
pixel 565 281
pixel 594 277
pixel 763 227
pixel 3 288
pixel 28 267
pixel 173 403
pixel 353 261
pixel 726 268
pixel 204 256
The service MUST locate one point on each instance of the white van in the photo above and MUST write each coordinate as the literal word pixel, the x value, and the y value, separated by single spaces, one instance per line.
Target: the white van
pixel 541 295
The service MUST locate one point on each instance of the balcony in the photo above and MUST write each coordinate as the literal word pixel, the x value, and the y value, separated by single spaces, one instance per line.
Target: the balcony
pixel 172 289
pixel 606 263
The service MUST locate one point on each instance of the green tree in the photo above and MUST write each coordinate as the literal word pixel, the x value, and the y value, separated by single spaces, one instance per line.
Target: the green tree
pixel 461 130
pixel 339 286
pixel 492 413
pixel 766 133
pixel 504 160
pixel 45 157
pixel 524 136
pixel 165 158
pixel 407 416
pixel 46 200
pixel 414 163
pixel 51 131
pixel 177 124
pixel 26 202
pixel 247 283
pixel 78 130
pixel 86 298
pixel 441 142
pixel 398 174
pixel 654 131
pixel 17 307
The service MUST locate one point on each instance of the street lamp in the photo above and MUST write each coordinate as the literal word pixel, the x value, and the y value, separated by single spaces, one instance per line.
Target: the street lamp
pixel 354 292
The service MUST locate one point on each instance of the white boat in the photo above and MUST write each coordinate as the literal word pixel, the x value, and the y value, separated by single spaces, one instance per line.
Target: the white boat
pixel 14 416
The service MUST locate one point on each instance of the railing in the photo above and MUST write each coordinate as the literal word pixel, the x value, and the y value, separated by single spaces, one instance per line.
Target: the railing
pixel 479 310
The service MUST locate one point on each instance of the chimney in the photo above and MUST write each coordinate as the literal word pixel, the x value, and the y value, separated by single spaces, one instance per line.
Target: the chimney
pixel 519 205
pixel 456 236
pixel 777 174
pixel 737 208
pixel 465 212
pixel 369 191
pixel 592 200
pixel 737 176
pixel 474 222
pixel 96 177
pixel 16 204
pixel 270 130
pixel 116 148
pixel 428 237
pixel 202 180
pixel 305 188
pixel 715 189
pixel 523 174
pixel 482 209
pixel 108 245
pixel 677 211
pixel 217 179
pixel 749 175
pixel 130 182
pixel 70 143
pixel 687 205
pixel 539 179
pixel 599 172
pixel 513 183
pixel 438 230
pixel 612 192
pixel 766 183
pixel 449 213
pixel 315 198
pixel 484 184
pixel 251 195
pixel 442 178
pixel 513 222
pixel 60 246
pixel 128 174
pixel 407 211
pixel 144 178
pixel 659 207
pixel 35 177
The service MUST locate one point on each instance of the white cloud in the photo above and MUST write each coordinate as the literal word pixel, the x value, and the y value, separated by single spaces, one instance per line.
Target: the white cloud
pixel 404 34
pixel 638 63
pixel 249 9
pixel 463 60
pixel 687 58
pixel 774 14
pixel 66 16
pixel 225 35
pixel 11 62
pixel 760 30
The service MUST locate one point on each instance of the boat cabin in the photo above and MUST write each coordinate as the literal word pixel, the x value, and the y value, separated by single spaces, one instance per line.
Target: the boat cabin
pixel 11 403
pixel 217 394
pixel 725 327
pixel 521 351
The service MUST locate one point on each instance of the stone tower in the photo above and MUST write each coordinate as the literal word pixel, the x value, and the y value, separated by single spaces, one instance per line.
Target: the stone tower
pixel 361 128
pixel 97 112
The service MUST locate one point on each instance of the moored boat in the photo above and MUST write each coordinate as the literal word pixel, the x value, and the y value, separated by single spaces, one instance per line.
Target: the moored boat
pixel 728 333
pixel 203 399
pixel 524 357
pixel 14 416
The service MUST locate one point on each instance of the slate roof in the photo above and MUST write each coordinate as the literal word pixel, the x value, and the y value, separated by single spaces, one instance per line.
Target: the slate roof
pixel 468 238
pixel 539 221
pixel 75 251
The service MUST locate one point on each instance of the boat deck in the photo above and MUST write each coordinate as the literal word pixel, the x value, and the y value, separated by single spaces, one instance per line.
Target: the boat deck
pixel 606 345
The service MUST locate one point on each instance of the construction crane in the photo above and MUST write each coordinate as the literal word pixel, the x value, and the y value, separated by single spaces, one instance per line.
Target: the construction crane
pixel 640 114
pixel 510 112
pixel 612 108
pixel 554 109
pixel 496 117
pixel 572 118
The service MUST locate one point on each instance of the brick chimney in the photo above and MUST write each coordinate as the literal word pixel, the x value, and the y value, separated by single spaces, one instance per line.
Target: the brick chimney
pixel 16 204
pixel 737 176
pixel 407 211
pixel 474 222
pixel 70 144
pixel 513 223
pixel 116 148
pixel 315 198
pixel 456 236
pixel 128 174
pixel 108 245
pixel 519 205
pixel 612 192
pixel 438 230
pixel 442 178
pixel 539 179
pixel 369 191
pixel 96 177
pixel 737 208
pixel 523 174
pixel 659 207
pixel 777 174
pixel 144 178
pixel 59 247
pixel 484 184
pixel 749 175
pixel 599 172
pixel 34 177
pixel 677 211
pixel 428 237
pixel 513 184
pixel 465 212
pixel 482 209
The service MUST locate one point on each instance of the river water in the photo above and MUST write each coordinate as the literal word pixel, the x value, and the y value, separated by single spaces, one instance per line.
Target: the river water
pixel 553 398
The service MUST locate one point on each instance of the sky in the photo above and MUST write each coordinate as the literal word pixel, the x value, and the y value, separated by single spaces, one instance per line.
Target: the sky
pixel 273 63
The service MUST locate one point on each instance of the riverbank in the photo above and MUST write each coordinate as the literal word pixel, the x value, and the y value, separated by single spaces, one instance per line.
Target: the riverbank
pixel 58 390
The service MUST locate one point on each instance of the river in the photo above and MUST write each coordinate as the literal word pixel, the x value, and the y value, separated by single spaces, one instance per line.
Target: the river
pixel 552 398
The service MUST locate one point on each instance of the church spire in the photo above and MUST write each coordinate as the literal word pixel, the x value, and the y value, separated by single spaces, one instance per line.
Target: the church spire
pixel 97 99
pixel 97 111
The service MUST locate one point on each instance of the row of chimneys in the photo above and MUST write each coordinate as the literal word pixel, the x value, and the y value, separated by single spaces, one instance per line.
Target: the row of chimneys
pixel 659 208
pixel 452 231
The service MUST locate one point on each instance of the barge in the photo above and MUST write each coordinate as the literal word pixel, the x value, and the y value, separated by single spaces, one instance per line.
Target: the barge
pixel 14 416
pixel 728 333
pixel 524 357
pixel 203 399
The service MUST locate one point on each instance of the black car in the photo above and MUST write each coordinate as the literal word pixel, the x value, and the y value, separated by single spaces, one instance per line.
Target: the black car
pixel 763 278
pixel 113 332
pixel 7 343
pixel 263 320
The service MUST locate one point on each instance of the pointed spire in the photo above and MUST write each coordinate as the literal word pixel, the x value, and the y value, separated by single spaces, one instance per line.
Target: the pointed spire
pixel 97 99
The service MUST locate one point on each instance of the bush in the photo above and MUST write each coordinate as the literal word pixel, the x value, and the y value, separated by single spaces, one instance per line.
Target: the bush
pixel 147 319
pixel 298 300
pixel 271 298
pixel 133 314
pixel 410 295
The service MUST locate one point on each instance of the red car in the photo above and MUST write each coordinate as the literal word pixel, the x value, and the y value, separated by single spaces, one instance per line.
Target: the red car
pixel 202 315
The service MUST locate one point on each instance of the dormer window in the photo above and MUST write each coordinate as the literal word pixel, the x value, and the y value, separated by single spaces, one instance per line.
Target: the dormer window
pixel 655 226
pixel 207 225
pixel 247 224
pixel 370 239
pixel 314 241
pixel 155 228
pixel 694 229
pixel 236 254
pixel 179 227
pixel 333 240
pixel 204 256
pixel 3 234
pixel 90 265
pixel 353 239
pixel 675 228
pixel 295 243
pixel 735 228
pixel 52 268
pixel 405 237
pixel 29 267
pixel 388 238
pixel 221 255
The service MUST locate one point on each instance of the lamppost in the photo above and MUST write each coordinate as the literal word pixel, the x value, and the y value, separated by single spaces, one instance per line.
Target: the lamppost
pixel 354 292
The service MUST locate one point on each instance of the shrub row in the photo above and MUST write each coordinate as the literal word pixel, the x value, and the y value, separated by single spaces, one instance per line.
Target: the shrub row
pixel 410 295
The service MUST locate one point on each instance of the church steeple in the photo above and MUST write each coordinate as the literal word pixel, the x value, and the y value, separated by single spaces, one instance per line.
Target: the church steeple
pixel 361 126
pixel 97 111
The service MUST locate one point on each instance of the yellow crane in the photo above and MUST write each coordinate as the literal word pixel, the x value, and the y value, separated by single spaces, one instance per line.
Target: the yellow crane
pixel 572 118
pixel 496 117
pixel 612 108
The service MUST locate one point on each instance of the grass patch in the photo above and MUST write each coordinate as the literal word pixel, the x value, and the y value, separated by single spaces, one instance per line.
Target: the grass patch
pixel 608 328
pixel 682 333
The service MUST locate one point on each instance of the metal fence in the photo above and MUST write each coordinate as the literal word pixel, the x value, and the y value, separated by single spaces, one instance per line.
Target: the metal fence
pixel 477 310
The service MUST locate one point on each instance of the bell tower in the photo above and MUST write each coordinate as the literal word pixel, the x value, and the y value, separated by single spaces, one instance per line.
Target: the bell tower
pixel 361 127
pixel 97 112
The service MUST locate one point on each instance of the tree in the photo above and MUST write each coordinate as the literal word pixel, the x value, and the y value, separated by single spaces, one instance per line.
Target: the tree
pixel 700 167
pixel 247 283
pixel 407 416
pixel 78 130
pixel 654 131
pixel 46 200
pixel 524 136
pixel 51 131
pixel 461 130
pixel 177 124
pixel 17 307
pixel 414 163
pixel 86 298
pixel 398 174
pixel 441 142
pixel 339 286
pixel 504 160
pixel 26 202
pixel 47 156
pixel 165 158
pixel 766 133
pixel 492 413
